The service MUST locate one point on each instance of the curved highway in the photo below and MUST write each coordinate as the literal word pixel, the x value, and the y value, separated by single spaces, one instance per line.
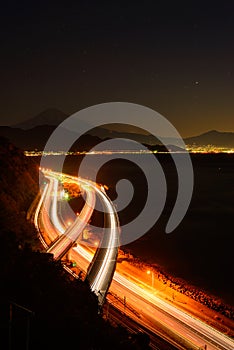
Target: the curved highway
pixel 73 232
pixel 152 312
pixel 102 267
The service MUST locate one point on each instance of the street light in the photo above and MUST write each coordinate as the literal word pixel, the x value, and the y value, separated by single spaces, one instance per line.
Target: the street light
pixel 150 272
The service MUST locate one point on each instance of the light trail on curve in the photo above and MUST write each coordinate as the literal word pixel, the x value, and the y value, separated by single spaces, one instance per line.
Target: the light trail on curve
pixel 43 222
pixel 103 265
pixel 54 208
pixel 153 310
pixel 73 232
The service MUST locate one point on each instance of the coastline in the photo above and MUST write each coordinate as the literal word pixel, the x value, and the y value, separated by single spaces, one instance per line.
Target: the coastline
pixel 191 299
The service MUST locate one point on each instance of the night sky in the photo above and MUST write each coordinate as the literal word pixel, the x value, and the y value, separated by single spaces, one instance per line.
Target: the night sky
pixel 175 57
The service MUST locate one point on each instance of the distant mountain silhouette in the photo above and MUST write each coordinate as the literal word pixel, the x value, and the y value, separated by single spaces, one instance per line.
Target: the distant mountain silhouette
pixel 31 139
pixel 213 137
pixel 105 133
pixel 50 116
pixel 37 137
pixel 34 133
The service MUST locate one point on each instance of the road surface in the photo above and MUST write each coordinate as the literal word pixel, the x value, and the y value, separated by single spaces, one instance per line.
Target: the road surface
pixel 74 231
pixel 150 311
pixel 103 264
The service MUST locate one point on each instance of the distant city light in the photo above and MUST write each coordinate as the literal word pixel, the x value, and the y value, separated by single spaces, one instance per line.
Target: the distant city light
pixel 189 148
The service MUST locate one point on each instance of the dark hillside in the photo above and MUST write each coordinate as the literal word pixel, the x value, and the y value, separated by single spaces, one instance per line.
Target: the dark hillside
pixel 18 187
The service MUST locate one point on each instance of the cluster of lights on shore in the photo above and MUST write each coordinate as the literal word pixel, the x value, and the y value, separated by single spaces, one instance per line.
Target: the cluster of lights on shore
pixel 189 148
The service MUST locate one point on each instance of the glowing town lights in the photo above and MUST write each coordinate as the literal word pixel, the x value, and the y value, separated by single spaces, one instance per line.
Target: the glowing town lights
pixel 190 148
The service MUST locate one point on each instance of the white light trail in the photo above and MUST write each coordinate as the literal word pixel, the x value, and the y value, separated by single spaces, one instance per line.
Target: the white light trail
pixel 54 208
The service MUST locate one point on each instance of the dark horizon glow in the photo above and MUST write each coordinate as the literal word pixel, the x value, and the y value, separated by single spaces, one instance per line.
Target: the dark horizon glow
pixel 176 59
